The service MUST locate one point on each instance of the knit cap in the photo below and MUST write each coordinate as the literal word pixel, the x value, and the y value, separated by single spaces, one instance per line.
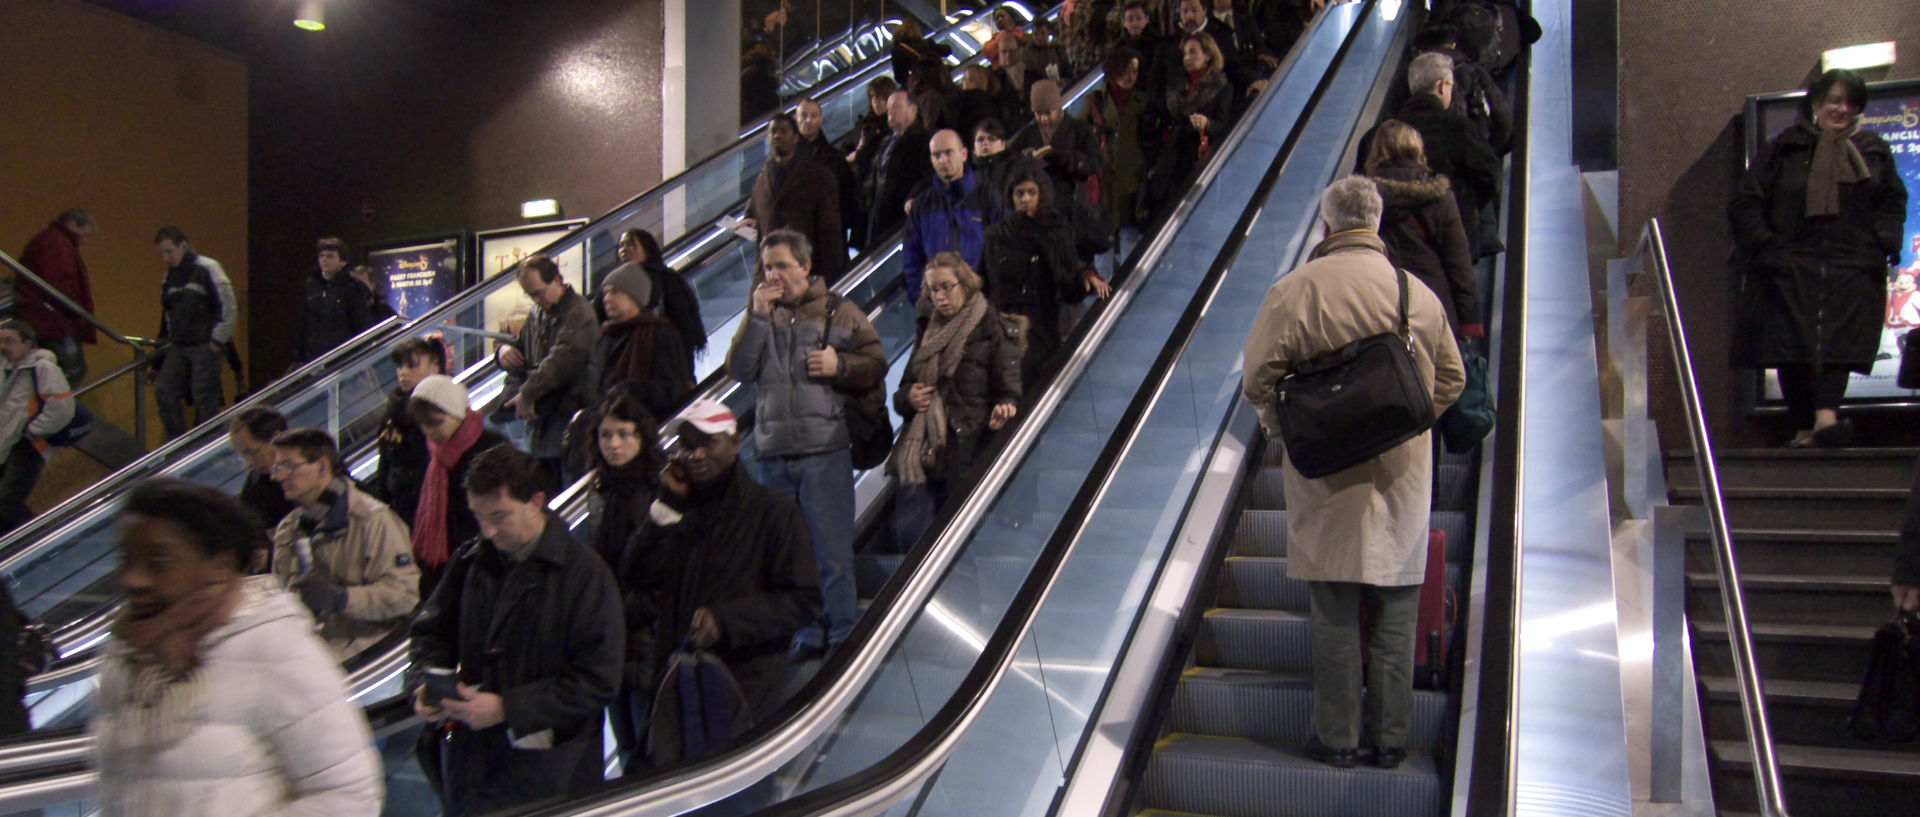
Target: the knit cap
pixel 1046 95
pixel 633 280
pixel 443 393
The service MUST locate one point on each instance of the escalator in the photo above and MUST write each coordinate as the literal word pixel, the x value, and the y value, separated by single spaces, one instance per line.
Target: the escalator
pixel 1043 680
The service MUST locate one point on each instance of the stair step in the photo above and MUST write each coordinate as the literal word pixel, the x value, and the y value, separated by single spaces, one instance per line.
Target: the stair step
pixel 1822 781
pixel 1796 652
pixel 1786 467
pixel 1805 713
pixel 1793 550
pixel 1260 582
pixel 1272 706
pixel 1799 598
pixel 1267 640
pixel 1233 777
pixel 1872 509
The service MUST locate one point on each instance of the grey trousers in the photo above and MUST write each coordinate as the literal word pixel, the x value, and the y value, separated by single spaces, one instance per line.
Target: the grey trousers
pixel 189 372
pixel 1393 615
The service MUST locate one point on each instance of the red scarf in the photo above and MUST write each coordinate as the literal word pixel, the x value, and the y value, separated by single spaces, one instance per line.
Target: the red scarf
pixel 1194 77
pixel 430 546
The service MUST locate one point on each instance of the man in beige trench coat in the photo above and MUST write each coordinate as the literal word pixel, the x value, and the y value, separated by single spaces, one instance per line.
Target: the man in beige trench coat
pixel 1358 536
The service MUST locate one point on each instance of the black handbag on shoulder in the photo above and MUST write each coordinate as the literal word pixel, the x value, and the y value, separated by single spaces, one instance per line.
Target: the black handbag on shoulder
pixel 1354 403
pixel 869 427
pixel 1888 709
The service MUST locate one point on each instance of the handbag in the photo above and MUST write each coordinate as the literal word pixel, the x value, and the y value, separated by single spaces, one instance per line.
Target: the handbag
pixel 1470 418
pixel 869 427
pixel 1888 709
pixel 1354 403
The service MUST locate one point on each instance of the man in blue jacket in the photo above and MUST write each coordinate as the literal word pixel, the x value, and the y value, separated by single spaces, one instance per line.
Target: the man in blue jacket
pixel 950 214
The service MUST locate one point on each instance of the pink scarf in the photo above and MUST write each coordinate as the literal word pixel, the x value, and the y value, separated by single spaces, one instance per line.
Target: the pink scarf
pixel 430 545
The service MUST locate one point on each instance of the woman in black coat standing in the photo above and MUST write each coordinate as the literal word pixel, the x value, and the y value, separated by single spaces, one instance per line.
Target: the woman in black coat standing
pixel 1197 107
pixel 1030 267
pixel 1420 224
pixel 1816 222
pixel 962 384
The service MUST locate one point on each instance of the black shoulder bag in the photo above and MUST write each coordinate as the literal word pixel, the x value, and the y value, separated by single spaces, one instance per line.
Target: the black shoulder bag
pixel 1354 403
pixel 869 428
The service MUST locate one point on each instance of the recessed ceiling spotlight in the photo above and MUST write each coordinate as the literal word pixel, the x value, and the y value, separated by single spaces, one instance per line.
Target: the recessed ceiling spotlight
pixel 311 15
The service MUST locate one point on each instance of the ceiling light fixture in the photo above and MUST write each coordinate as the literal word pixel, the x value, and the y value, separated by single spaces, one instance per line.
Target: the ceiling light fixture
pixel 540 208
pixel 311 15
pixel 1858 57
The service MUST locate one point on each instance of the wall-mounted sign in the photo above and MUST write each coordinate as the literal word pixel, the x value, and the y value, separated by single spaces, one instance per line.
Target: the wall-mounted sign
pixel 415 278
pixel 500 250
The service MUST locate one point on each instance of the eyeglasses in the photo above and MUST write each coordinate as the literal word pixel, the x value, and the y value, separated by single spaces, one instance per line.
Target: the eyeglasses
pixel 281 469
pixel 943 289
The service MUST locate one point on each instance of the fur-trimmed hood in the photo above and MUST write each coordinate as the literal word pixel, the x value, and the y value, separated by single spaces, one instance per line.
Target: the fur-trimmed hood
pixel 1410 186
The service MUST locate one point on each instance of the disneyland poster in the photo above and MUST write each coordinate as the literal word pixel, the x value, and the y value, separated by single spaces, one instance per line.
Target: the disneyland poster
pixel 413 280
pixel 1893 111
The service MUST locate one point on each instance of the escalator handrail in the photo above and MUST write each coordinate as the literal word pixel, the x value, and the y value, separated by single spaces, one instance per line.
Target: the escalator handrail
pixel 81 507
pixel 1651 254
pixel 876 787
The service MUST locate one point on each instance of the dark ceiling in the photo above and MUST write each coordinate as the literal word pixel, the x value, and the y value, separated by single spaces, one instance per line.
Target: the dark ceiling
pixel 247 25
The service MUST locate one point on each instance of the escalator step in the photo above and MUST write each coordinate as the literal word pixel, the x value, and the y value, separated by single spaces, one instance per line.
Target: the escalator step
pixel 1268 640
pixel 1276 707
pixel 1235 777
pixel 1260 582
pixel 1266 492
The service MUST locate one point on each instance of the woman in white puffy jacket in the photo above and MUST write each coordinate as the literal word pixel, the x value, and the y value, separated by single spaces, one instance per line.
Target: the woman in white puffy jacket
pixel 216 697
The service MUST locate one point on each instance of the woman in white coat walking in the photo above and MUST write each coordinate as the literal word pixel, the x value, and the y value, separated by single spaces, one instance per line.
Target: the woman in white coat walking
pixel 1357 536
pixel 216 696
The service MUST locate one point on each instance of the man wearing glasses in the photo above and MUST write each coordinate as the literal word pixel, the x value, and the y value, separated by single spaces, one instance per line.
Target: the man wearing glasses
pixel 347 555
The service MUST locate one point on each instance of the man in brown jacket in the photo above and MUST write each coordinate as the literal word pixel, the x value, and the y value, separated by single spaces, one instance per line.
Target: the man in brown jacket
pixel 347 555
pixel 795 192
pixel 1358 536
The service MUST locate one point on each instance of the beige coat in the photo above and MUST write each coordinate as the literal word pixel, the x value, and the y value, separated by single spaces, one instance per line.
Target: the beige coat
pixel 372 559
pixel 1367 524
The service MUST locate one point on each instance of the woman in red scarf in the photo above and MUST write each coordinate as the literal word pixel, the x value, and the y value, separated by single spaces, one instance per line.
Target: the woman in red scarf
pixel 442 523
pixel 1197 104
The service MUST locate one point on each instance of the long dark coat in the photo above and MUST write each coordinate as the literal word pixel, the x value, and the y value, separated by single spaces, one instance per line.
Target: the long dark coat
pixel 1814 290
pixel 545 634
pixel 988 375
pixel 742 552
pixel 1075 156
pixel 1030 270
pixel 805 199
pixel 1455 150
pixel 1421 225
pixel 1181 144
pixel 896 173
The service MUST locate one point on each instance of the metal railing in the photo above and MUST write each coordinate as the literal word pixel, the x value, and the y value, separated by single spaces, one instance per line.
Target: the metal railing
pixel 1650 252
pixel 137 345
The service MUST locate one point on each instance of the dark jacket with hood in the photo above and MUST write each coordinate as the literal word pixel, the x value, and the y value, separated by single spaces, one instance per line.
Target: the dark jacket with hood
pixel 1420 224
pixel 1814 289
pixel 1454 150
pixel 988 375
pixel 1181 144
pixel 544 633
pixel 731 546
pixel 403 461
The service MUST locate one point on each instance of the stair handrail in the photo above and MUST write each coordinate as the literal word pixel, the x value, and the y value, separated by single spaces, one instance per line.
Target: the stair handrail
pixel 1651 254
pixel 138 345
pixel 58 297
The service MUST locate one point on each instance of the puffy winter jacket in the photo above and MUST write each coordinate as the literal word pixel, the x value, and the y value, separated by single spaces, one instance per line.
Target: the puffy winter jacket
pixel 797 414
pixel 34 400
pixel 262 727
pixel 360 545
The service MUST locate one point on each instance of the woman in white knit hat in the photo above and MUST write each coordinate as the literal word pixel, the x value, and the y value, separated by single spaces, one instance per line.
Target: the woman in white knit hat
pixel 455 433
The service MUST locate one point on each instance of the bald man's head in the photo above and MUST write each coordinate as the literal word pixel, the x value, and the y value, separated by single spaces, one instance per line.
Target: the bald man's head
pixel 949 156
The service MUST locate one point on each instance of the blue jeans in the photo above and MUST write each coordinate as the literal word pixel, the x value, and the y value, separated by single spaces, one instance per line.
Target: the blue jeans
pixel 822 485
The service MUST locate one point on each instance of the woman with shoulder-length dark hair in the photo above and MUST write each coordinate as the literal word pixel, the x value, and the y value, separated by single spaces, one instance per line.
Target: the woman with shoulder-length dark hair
pixel 1420 224
pixel 1030 267
pixel 1816 222
pixel 1197 106
pixel 215 694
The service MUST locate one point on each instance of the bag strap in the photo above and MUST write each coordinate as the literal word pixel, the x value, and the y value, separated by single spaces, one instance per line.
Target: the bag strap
pixel 1406 334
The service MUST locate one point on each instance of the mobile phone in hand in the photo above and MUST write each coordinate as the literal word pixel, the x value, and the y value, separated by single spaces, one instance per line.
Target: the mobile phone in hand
pixel 442 683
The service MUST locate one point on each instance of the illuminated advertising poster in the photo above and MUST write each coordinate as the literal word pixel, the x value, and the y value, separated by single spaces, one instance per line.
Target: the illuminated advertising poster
pixel 414 279
pixel 507 307
pixel 1893 111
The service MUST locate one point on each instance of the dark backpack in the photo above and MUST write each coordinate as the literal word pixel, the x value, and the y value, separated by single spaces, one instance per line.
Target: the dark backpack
pixel 74 431
pixel 869 427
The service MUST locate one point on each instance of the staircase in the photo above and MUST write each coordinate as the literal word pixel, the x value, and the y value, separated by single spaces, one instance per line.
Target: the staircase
pixel 1233 740
pixel 1813 534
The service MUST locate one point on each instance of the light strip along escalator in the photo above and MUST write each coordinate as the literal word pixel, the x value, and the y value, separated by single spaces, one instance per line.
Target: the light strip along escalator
pixel 998 742
pixel 918 644
pixel 58 564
